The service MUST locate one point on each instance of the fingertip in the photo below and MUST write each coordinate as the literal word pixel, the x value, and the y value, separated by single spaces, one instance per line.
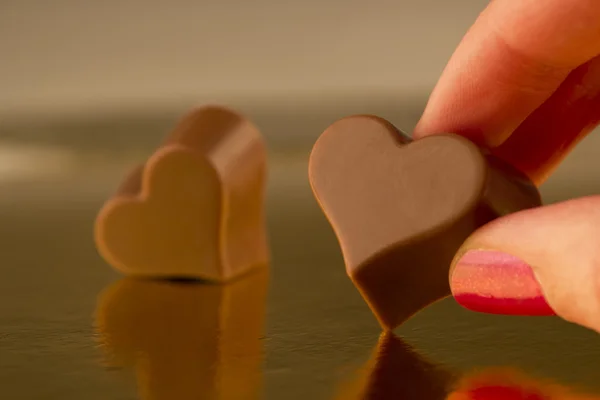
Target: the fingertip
pixel 535 262
pixel 494 282
pixel 511 61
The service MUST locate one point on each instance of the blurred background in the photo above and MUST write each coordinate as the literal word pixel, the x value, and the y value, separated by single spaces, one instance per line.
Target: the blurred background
pixel 69 56
pixel 118 71
pixel 89 88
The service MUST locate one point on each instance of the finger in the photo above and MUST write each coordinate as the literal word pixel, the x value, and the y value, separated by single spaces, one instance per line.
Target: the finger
pixel 513 58
pixel 542 141
pixel 535 262
pixel 547 135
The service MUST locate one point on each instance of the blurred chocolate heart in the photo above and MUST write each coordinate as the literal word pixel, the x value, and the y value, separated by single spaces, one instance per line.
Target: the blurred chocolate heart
pixel 195 210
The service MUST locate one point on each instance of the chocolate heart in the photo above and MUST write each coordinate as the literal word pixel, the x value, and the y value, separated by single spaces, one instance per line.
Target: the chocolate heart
pixel 401 209
pixel 195 210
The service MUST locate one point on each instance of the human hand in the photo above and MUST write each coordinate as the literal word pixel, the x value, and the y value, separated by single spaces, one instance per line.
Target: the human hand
pixel 525 83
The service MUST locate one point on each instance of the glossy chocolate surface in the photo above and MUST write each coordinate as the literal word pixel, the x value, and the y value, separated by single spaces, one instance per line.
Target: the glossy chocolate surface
pixel 401 209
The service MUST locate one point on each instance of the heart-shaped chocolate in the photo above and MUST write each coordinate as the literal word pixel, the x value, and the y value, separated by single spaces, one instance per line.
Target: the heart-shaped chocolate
pixel 401 209
pixel 195 210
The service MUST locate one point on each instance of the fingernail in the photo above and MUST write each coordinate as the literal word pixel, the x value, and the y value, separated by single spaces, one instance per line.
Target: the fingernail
pixel 497 283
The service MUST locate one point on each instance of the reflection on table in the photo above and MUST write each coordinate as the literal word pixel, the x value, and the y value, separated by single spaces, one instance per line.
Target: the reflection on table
pixel 187 340
pixel 396 371
pixel 511 384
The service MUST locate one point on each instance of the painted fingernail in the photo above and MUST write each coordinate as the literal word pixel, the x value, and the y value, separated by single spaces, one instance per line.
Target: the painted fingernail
pixel 497 283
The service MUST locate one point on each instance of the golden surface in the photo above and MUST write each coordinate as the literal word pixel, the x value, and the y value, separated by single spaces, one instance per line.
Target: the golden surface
pixel 186 341
pixel 319 339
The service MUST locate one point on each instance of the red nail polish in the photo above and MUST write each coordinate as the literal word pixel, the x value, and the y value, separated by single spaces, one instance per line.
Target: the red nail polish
pixel 497 283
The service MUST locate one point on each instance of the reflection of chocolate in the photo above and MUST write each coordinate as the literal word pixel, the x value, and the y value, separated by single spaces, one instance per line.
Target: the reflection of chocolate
pixel 195 210
pixel 185 340
pixel 396 371
pixel 401 210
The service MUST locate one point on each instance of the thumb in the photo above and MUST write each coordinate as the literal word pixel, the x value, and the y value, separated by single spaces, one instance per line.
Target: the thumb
pixel 542 261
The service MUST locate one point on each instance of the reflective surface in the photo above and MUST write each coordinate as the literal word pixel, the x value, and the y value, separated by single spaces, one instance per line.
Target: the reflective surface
pixel 185 340
pixel 71 328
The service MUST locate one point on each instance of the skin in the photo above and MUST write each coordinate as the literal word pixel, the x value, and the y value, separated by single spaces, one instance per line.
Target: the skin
pixel 525 83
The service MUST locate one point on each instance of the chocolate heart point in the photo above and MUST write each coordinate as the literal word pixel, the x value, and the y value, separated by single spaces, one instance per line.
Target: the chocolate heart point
pixel 401 209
